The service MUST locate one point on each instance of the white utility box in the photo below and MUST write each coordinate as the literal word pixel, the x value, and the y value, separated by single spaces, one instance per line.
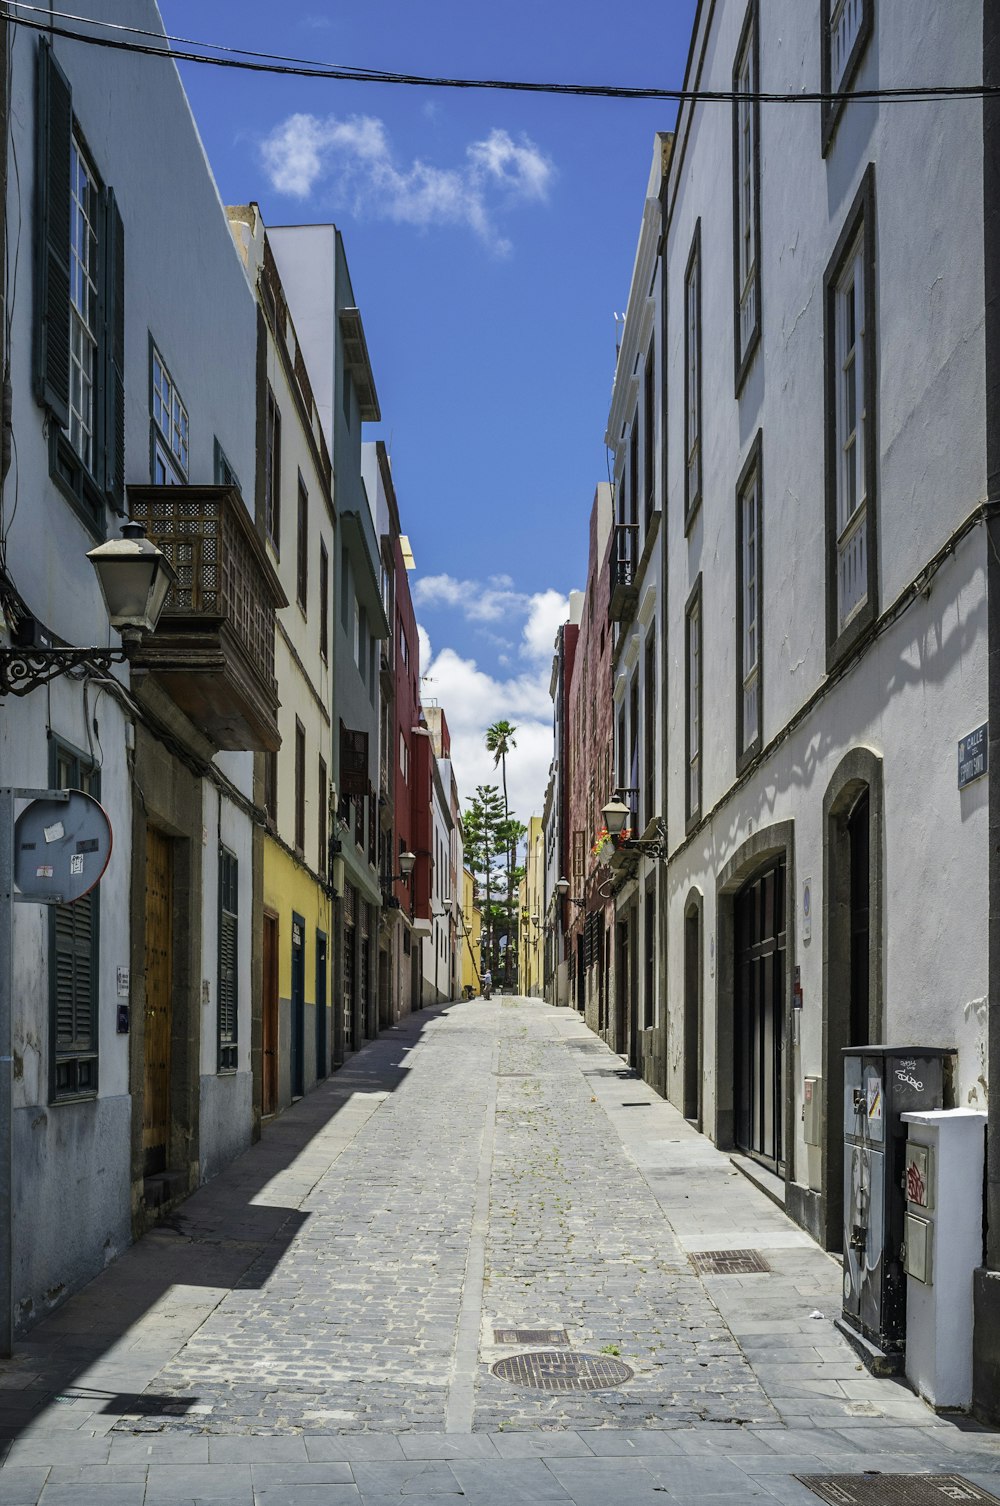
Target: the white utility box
pixel 943 1187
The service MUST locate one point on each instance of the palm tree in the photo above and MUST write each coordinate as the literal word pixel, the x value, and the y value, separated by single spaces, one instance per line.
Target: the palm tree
pixel 499 740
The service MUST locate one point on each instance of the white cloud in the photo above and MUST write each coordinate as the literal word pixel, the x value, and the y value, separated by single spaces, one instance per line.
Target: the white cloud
pixel 354 157
pixel 472 699
pixel 497 601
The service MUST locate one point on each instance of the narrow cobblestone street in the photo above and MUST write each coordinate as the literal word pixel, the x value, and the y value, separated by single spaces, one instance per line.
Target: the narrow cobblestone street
pixel 317 1325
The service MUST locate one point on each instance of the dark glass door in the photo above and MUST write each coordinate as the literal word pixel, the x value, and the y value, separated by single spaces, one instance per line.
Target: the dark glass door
pixel 760 1015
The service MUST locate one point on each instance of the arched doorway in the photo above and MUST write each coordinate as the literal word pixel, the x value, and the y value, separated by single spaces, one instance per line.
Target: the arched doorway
pixel 692 1058
pixel 852 950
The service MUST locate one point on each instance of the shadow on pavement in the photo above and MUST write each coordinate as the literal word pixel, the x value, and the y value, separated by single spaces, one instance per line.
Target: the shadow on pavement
pixel 228 1235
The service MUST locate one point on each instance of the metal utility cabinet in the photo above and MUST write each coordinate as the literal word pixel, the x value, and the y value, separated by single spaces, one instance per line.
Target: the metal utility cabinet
pixel 880 1084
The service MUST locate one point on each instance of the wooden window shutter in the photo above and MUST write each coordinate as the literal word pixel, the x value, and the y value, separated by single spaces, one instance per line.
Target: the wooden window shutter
pixel 74 976
pixel 113 355
pixel 228 960
pixel 54 127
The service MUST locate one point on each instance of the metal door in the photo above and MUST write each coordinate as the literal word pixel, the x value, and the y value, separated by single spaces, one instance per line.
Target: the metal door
pixel 322 1065
pixel 350 958
pixel 159 1001
pixel 269 1103
pixel 298 1006
pixel 760 1015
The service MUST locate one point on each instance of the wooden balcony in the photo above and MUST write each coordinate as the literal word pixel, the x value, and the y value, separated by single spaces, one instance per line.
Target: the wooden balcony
pixel 624 562
pixel 213 649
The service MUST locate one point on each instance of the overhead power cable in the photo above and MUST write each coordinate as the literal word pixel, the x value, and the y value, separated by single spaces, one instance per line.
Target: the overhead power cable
pixel 181 50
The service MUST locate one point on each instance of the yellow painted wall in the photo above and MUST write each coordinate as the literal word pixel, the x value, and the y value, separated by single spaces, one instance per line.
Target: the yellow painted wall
pixel 532 899
pixel 288 887
pixel 472 925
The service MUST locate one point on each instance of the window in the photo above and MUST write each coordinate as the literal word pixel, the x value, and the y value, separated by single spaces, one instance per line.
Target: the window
pixel 845 26
pixel 73 961
pixel 633 759
pixel 79 327
pixel 633 470
pixel 300 787
pixel 169 423
pixel 693 657
pixel 360 637
pixel 746 194
pixel 272 470
pixel 650 740
pixel 649 423
pixel 849 299
pixel 323 792
pixel 404 758
pixel 83 322
pixel 302 547
pixel 324 602
pixel 749 608
pixel 223 471
pixel 692 379
pixel 229 875
pixel 271 787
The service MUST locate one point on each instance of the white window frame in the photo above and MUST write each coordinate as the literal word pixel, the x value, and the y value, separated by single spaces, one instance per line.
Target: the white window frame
pixel 695 670
pixel 692 386
pixel 846 20
pixel 746 123
pixel 749 503
pixel 851 419
pixel 171 430
pixel 83 303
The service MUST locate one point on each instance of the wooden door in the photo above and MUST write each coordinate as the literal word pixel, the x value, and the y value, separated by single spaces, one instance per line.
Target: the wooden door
pixel 159 1001
pixel 269 1104
pixel 760 1015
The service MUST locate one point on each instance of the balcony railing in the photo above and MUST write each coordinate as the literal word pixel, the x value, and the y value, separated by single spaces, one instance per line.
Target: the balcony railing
pixel 213 649
pixel 624 569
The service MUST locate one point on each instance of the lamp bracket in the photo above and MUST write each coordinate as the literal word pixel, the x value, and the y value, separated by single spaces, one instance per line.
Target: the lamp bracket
pixel 24 669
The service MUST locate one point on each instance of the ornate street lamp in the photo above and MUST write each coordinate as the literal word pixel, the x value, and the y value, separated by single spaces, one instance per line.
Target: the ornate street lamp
pixel 135 577
pixel 653 842
pixel 562 889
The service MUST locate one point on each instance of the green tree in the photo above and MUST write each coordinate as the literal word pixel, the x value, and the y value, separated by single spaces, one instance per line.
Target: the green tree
pixel 482 822
pixel 499 741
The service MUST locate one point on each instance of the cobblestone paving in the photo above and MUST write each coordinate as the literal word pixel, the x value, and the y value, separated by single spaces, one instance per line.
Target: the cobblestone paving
pixel 577 1240
pixel 355 1327
pixel 315 1327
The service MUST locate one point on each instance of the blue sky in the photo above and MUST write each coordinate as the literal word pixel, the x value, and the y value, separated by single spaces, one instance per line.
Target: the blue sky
pixel 490 238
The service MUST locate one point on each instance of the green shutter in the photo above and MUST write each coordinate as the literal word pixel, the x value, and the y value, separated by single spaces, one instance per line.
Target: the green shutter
pixel 74 976
pixel 52 236
pixel 113 356
pixel 228 959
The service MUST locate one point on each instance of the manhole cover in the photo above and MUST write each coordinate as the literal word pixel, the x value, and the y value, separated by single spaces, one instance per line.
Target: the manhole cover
pixel 530 1336
pixel 729 1263
pixel 563 1372
pixel 895 1490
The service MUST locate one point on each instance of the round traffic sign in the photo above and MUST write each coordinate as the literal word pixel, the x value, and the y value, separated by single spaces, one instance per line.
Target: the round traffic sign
pixel 61 848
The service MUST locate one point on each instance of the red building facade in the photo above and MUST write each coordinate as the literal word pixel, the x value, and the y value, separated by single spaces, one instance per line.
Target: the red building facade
pixel 589 785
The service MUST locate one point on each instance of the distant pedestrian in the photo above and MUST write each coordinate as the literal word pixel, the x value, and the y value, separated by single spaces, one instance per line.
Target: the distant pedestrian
pixel 487 984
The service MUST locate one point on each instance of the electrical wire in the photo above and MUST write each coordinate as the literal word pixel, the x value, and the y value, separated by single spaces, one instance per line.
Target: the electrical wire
pixel 272 64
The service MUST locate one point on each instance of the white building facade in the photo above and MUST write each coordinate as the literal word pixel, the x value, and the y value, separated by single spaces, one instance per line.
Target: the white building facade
pixel 132 351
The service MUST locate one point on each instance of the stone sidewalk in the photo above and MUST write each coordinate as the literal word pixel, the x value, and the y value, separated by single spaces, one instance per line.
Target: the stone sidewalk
pixel 317 1325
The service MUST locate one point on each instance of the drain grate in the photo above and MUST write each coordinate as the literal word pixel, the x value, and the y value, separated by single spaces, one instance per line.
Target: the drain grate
pixel 896 1490
pixel 530 1336
pixel 729 1263
pixel 563 1372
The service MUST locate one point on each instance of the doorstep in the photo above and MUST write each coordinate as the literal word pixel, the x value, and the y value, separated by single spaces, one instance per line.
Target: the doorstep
pixel 770 1185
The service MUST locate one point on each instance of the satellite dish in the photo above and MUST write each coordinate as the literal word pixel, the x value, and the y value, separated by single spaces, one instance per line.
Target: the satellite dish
pixel 61 848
